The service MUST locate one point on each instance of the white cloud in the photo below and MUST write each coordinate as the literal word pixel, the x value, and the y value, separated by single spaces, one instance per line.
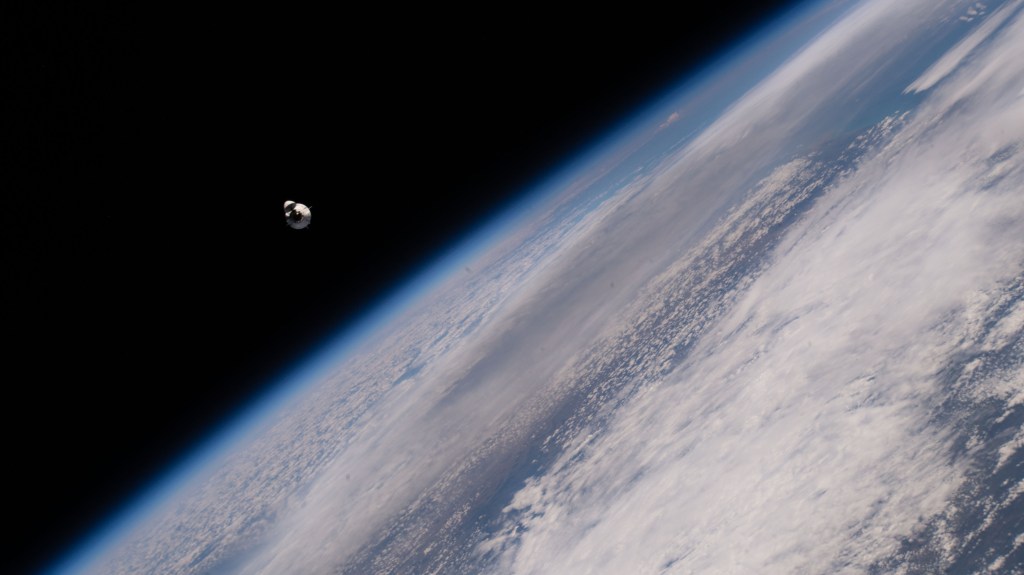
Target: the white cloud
pixel 671 119
pixel 842 61
pixel 798 438
pixel 955 56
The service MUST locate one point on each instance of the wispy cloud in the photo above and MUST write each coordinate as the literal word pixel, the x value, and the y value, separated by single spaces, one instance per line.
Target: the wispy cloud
pixel 671 119
pixel 952 59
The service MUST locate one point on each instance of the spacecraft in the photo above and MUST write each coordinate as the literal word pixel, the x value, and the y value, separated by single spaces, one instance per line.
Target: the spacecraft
pixel 296 215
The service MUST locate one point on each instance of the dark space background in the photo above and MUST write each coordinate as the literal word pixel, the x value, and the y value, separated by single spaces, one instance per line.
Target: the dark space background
pixel 150 285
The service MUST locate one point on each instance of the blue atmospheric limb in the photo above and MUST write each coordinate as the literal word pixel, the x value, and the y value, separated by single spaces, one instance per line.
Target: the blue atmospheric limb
pixel 637 132
pixel 252 418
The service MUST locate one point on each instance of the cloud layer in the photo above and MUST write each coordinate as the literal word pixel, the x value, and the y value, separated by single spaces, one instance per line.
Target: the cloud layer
pixel 760 355
pixel 804 434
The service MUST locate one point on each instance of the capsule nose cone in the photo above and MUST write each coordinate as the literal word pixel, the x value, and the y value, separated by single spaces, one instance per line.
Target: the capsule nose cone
pixel 288 204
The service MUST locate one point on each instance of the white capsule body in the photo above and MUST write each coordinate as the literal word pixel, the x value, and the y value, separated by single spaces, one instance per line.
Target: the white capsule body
pixel 296 215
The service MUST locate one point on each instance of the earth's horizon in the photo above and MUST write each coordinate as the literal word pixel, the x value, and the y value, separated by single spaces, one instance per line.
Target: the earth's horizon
pixel 775 324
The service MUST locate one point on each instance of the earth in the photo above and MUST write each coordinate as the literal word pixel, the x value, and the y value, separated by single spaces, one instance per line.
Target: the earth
pixel 774 324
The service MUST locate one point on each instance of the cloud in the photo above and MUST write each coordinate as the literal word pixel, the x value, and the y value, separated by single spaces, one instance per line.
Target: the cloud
pixel 832 70
pixel 955 56
pixel 801 435
pixel 671 119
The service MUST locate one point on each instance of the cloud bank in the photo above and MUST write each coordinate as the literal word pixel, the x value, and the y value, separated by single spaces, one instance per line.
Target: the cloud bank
pixel 804 434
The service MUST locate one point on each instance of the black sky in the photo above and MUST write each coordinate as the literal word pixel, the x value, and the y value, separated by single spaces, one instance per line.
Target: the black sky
pixel 150 285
